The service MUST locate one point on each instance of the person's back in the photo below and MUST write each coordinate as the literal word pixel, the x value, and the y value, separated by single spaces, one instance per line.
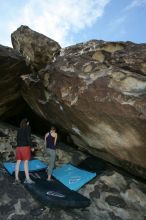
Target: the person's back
pixel 24 137
pixel 50 142
pixel 23 152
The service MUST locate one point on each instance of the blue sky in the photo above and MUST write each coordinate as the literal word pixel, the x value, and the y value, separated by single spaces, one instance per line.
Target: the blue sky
pixel 73 21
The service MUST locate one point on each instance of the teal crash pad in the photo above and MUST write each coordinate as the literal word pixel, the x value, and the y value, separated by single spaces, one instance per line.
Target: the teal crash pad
pixel 73 177
pixel 34 165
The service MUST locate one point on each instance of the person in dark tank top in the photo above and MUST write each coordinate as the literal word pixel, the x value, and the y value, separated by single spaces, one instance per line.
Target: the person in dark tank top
pixel 50 146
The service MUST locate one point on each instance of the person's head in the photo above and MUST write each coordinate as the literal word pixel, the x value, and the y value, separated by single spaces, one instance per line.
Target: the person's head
pixel 24 123
pixel 53 128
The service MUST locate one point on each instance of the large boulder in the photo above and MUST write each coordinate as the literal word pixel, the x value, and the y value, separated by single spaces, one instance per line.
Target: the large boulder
pixel 37 48
pixel 97 92
pixel 12 66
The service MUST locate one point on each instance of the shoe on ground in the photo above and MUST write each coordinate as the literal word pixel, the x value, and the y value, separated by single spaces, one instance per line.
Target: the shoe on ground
pixel 17 181
pixel 29 181
pixel 49 180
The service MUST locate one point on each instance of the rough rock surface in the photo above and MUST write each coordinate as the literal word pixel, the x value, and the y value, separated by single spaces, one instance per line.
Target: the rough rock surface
pixel 8 145
pixel 15 201
pixel 38 49
pixel 97 92
pixel 114 195
pixel 110 200
pixel 12 66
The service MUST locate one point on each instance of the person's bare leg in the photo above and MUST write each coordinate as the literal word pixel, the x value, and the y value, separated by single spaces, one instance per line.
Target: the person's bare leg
pixel 49 177
pixel 26 169
pixel 17 169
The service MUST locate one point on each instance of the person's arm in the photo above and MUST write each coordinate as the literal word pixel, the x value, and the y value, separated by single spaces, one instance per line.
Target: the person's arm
pixel 45 141
pixel 55 139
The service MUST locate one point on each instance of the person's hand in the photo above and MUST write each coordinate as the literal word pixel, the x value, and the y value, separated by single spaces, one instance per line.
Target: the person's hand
pixel 32 149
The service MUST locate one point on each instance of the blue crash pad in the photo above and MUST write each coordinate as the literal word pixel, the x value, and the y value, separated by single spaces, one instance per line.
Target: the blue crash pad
pixel 34 165
pixel 72 177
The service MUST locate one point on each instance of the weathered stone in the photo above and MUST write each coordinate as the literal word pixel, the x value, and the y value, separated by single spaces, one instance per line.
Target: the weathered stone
pixel 12 65
pixel 109 192
pixel 96 92
pixel 38 49
pixel 116 201
pixel 8 145
pixel 113 47
pixel 115 180
pixel 15 200
pixel 113 217
pixel 98 56
pixel 95 193
pixel 134 194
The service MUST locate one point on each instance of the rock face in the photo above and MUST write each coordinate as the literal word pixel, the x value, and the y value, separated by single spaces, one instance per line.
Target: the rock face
pixel 15 203
pixel 8 143
pixel 113 195
pixel 37 48
pixel 96 91
pixel 12 66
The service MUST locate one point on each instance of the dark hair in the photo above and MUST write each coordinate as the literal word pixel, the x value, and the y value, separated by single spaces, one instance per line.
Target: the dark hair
pixel 53 128
pixel 23 123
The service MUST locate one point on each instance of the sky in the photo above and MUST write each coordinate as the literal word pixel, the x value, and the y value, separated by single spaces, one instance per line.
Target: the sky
pixel 74 21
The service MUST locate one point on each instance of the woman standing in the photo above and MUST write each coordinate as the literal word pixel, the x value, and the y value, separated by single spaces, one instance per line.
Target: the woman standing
pixel 23 150
pixel 50 144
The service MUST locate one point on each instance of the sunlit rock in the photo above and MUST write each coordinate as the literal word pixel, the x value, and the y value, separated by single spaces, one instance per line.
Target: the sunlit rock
pixel 96 91
pixel 37 48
